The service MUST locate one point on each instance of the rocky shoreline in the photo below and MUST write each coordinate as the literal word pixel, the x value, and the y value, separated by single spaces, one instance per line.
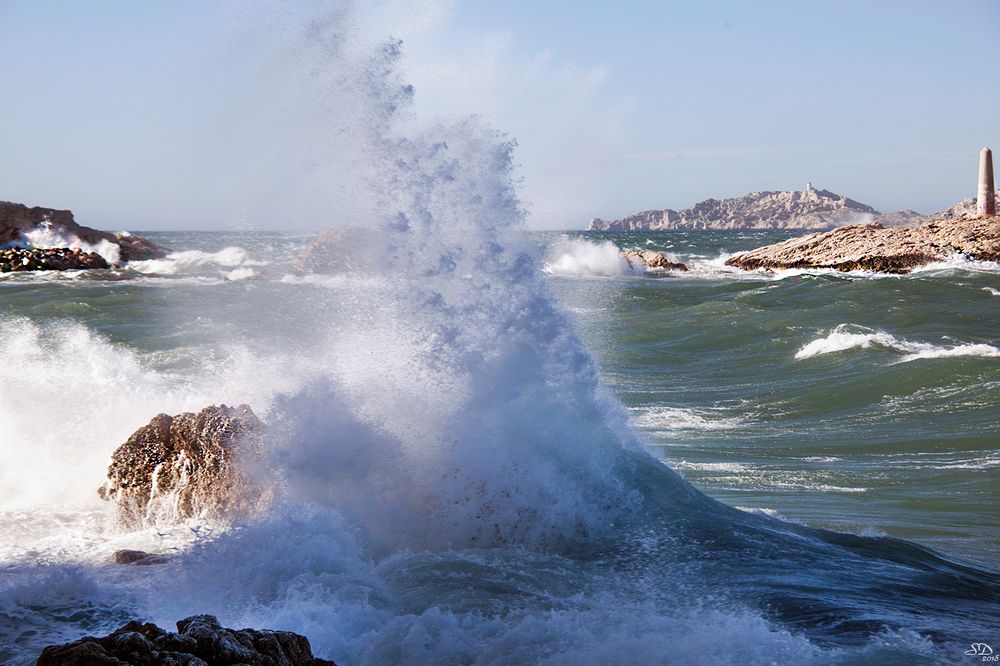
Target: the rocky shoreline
pixel 872 247
pixel 46 239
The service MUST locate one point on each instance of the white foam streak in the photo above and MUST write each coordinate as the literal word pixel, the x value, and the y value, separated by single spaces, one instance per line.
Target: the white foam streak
pixel 660 418
pixel 190 260
pixel 850 336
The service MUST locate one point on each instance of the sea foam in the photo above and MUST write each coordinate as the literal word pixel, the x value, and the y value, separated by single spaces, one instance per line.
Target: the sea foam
pixel 851 336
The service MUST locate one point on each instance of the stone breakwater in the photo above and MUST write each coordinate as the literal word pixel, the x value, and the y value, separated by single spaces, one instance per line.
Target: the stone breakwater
pixel 47 228
pixel 49 259
pixel 200 641
pixel 872 247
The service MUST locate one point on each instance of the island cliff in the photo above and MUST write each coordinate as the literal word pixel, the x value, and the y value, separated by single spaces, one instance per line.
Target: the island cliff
pixel 808 209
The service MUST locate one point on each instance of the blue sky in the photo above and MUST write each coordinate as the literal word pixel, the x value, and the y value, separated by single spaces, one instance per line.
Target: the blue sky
pixel 112 108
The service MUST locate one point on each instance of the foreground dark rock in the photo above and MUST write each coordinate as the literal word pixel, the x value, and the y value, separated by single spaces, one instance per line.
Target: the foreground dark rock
pixel 200 641
pixel 653 262
pixel 871 247
pixel 18 220
pixel 177 467
pixel 50 259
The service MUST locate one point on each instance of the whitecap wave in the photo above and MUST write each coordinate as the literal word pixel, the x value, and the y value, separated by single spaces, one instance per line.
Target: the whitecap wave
pixel 45 236
pixel 193 260
pixel 852 336
pixel 958 262
pixel 577 257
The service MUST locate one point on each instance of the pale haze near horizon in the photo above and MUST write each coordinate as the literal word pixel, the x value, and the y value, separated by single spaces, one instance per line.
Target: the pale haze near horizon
pixel 132 114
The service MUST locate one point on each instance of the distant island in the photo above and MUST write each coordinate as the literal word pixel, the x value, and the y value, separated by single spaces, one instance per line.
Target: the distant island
pixel 810 208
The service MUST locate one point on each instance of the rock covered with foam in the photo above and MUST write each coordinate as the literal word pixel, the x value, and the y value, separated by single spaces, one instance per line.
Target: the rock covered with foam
pixel 651 262
pixel 872 247
pixel 178 467
pixel 199 640
pixel 44 228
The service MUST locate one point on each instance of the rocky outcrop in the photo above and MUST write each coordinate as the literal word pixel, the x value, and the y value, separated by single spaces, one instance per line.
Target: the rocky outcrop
pixel 651 262
pixel 51 259
pixel 177 467
pixel 872 247
pixel 36 227
pixel 808 209
pixel 200 641
pixel 964 209
pixel 340 250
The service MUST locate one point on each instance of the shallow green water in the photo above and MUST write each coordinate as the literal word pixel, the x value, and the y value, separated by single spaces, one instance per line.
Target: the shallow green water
pixel 861 439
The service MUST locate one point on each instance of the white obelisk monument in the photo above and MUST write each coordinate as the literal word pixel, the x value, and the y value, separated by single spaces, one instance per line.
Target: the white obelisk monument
pixel 986 203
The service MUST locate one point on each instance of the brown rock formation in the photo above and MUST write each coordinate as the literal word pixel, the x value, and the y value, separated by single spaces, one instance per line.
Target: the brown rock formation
pixel 181 466
pixel 17 220
pixel 871 247
pixel 656 262
pixel 200 641
pixel 51 259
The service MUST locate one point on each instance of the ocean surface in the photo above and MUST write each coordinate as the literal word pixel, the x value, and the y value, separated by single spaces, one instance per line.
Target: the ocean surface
pixel 503 448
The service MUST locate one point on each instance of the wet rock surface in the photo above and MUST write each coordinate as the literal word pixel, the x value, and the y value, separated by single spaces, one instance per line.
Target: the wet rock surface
pixel 200 641
pixel 49 259
pixel 139 557
pixel 872 247
pixel 177 467
pixel 652 262
pixel 18 220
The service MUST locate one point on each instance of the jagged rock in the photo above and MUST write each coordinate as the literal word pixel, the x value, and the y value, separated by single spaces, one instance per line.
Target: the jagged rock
pixel 181 466
pixel 137 557
pixel 652 262
pixel 49 259
pixel 808 209
pixel 200 641
pixel 872 247
pixel 17 221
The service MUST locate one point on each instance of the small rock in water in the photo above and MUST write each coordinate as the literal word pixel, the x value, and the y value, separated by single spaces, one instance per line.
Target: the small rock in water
pixel 200 641
pixel 655 263
pixel 137 557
